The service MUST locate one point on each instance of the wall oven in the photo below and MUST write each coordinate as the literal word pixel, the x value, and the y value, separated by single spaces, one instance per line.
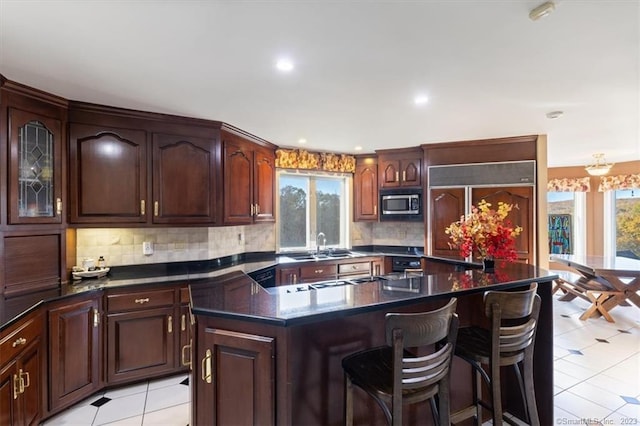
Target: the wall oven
pixel 401 204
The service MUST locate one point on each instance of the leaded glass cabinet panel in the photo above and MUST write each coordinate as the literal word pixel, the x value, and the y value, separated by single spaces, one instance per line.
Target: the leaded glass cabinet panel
pixel 35 168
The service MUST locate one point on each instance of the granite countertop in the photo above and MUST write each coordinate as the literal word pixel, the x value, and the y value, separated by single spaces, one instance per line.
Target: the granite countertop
pixel 298 304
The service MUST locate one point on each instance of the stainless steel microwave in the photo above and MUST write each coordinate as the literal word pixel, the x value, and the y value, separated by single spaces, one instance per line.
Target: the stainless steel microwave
pixel 401 204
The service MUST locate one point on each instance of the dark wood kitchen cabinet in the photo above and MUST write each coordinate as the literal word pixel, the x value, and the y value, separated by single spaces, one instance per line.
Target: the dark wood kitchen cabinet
pixel 108 174
pixel 446 207
pixel 249 181
pixel 75 348
pixel 33 137
pixel 141 168
pixel 142 335
pixel 365 190
pixel 287 275
pixel 22 372
pixel 400 168
pixel 521 197
pixel 234 378
pixel 183 179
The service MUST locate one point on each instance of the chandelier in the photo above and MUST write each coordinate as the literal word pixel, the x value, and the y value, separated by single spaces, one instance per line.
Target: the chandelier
pixel 600 167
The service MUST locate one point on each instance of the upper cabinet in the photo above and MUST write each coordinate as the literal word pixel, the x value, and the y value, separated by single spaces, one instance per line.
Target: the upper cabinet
pixel 365 192
pixel 183 179
pixel 249 181
pixel 108 174
pixel 34 135
pixel 399 168
pixel 137 169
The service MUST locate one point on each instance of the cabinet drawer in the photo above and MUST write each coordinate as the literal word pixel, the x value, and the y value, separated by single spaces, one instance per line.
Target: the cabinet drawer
pixel 140 300
pixel 20 338
pixel 354 268
pixel 319 270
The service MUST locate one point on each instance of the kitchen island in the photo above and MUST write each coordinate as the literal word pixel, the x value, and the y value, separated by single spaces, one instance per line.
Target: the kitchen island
pixel 273 356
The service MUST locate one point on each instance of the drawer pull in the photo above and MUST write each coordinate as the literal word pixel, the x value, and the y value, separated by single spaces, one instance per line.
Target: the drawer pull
pixel 404 175
pixel 206 367
pixel 19 341
pixel 186 363
pixel 397 176
pixel 170 324
pixel 183 322
pixel 319 271
pixel 142 301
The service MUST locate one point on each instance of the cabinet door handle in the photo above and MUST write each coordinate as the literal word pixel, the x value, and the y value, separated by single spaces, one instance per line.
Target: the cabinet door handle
pixel 206 367
pixel 96 317
pixel 404 175
pixel 183 322
pixel 58 206
pixel 397 176
pixel 257 209
pixel 170 324
pixel 186 363
pixel 142 301
pixel 253 210
pixel 142 208
pixel 19 341
pixel 295 279
pixel 23 376
pixel 375 210
pixel 156 208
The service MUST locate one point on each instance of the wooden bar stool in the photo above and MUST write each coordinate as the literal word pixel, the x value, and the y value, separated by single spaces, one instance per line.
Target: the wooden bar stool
pixel 394 375
pixel 509 342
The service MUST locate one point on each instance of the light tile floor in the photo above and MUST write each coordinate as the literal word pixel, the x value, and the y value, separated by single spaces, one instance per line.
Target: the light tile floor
pixel 596 379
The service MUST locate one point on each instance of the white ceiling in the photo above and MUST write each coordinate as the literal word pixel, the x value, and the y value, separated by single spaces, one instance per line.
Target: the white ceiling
pixel 489 71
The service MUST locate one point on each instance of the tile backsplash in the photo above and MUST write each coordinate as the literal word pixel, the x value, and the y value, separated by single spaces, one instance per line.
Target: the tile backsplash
pixel 123 246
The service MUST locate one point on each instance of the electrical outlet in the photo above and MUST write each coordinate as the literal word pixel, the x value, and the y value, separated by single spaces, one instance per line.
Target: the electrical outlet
pixel 147 248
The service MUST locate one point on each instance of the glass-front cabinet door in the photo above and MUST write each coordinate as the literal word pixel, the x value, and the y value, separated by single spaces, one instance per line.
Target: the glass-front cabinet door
pixel 35 152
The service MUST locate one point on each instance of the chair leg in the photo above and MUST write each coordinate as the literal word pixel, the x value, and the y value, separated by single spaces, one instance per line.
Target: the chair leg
pixel 348 401
pixel 530 396
pixel 496 395
pixel 522 392
pixel 477 395
pixel 434 411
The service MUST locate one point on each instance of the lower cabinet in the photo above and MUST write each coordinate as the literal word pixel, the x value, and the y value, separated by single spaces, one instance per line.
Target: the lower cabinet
pixel 326 270
pixel 142 334
pixel 234 378
pixel 21 376
pixel 75 343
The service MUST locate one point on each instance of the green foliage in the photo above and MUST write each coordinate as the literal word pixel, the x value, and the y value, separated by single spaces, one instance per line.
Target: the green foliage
pixel 628 226
pixel 293 216
pixel 328 216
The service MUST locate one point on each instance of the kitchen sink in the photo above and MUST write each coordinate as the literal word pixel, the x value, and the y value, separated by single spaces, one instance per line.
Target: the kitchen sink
pixel 328 254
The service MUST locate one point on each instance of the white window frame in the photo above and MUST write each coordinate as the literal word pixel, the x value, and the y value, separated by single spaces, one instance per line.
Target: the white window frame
pixel 579 225
pixel 345 209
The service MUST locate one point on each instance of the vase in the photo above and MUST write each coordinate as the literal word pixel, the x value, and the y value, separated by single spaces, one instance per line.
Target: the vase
pixel 488 265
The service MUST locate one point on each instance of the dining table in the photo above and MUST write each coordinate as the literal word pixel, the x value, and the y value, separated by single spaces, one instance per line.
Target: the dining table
pixel 618 279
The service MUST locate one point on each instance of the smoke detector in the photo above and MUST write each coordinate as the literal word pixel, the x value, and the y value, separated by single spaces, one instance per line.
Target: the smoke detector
pixel 541 11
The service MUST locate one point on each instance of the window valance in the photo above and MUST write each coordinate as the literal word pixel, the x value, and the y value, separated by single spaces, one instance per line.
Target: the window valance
pixel 326 161
pixel 613 183
pixel 569 185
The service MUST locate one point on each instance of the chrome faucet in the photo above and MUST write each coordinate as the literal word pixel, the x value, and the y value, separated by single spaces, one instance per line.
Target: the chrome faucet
pixel 324 241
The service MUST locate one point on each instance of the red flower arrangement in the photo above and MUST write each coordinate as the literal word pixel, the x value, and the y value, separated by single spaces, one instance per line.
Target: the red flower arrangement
pixel 486 232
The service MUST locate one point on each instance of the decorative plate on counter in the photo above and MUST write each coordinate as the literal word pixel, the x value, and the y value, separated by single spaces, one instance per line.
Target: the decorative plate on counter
pixel 96 273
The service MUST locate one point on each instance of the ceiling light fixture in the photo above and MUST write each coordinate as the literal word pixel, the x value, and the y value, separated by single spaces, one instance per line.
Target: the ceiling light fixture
pixel 284 65
pixel 554 114
pixel 302 141
pixel 600 167
pixel 358 148
pixel 421 100
pixel 541 11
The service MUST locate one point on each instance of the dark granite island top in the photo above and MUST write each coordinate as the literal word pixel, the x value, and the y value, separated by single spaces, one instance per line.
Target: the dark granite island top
pixel 274 355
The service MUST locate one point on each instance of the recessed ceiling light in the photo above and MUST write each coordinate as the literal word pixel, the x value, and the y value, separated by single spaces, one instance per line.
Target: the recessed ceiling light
pixel 421 100
pixel 554 114
pixel 284 64
pixel 302 141
pixel 358 148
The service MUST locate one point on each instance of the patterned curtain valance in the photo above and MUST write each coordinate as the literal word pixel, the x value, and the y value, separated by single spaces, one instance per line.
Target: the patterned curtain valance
pixel 569 185
pixel 302 159
pixel 613 183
